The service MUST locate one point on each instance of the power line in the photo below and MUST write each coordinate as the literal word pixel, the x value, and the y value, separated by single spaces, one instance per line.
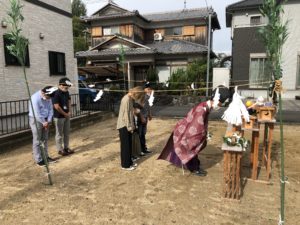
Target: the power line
pixel 206 4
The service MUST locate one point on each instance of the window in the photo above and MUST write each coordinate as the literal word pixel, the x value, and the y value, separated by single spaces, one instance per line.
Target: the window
pixel 139 32
pixel 11 60
pixel 255 20
pixel 96 31
pixel 111 30
pixel 259 75
pixel 57 63
pixel 173 31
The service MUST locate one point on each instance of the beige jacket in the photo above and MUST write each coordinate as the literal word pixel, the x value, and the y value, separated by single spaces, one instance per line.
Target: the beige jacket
pixel 125 118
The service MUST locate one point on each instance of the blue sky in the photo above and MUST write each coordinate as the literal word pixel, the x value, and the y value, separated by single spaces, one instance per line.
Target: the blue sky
pixel 222 42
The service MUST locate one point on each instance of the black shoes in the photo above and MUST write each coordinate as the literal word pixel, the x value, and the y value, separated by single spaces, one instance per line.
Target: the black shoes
pixel 134 158
pixel 69 151
pixel 147 151
pixel 41 163
pixel 63 153
pixel 50 160
pixel 200 172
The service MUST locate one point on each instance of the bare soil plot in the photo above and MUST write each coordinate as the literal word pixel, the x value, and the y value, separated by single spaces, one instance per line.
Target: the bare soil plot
pixel 90 187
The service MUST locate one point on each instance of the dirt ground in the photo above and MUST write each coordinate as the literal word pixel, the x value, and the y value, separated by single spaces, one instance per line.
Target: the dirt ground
pixel 90 187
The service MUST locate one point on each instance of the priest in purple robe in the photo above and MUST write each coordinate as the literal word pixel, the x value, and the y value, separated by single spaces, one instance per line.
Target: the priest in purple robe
pixel 190 134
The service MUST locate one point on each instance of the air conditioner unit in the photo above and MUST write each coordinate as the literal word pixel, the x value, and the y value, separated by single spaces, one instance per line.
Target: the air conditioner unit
pixel 158 37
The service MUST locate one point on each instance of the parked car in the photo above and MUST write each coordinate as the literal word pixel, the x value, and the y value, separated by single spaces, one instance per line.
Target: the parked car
pixel 86 94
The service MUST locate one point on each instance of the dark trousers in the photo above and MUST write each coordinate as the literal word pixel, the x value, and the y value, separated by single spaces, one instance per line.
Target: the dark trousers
pixel 193 164
pixel 142 133
pixel 126 147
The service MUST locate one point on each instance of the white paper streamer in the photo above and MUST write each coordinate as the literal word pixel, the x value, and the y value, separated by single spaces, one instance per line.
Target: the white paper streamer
pixel 236 110
pixel 99 95
pixel 216 99
pixel 193 86
pixel 151 99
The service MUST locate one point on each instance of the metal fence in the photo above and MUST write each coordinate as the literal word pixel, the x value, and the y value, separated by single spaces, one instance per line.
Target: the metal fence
pixel 14 114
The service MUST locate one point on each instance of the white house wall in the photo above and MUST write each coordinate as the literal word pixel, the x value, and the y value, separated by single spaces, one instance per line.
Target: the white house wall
pixel 61 4
pixel 291 48
pixel 221 76
pixel 163 73
pixel 242 19
pixel 58 36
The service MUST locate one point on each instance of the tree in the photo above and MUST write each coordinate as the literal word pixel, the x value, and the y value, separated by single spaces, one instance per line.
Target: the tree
pixel 79 38
pixel 152 75
pixel 195 73
pixel 78 8
pixel 78 27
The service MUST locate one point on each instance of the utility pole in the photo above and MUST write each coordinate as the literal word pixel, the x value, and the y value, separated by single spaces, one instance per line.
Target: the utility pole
pixel 208 52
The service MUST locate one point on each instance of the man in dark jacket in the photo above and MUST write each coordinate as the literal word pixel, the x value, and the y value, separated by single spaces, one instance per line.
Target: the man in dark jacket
pixel 145 117
pixel 62 114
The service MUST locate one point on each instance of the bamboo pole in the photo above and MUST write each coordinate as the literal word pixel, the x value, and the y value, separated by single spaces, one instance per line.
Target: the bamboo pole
pixel 41 145
pixel 18 49
pixel 282 180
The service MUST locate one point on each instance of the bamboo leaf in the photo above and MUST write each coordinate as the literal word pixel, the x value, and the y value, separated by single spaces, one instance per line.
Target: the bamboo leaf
pixel 17 48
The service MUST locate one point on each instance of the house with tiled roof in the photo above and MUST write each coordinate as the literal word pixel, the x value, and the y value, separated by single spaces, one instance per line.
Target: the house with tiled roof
pixel 165 40
pixel 248 51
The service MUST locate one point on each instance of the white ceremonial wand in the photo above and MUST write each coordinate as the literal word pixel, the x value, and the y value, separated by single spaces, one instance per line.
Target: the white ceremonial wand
pixel 193 86
pixel 99 95
pixel 151 99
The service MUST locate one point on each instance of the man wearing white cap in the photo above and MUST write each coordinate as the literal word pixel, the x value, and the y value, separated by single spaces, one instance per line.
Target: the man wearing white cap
pixel 43 113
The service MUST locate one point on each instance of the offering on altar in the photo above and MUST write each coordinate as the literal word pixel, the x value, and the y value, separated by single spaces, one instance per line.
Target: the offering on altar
pixel 251 124
pixel 231 129
pixel 266 113
pixel 250 107
pixel 236 140
pixel 263 110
